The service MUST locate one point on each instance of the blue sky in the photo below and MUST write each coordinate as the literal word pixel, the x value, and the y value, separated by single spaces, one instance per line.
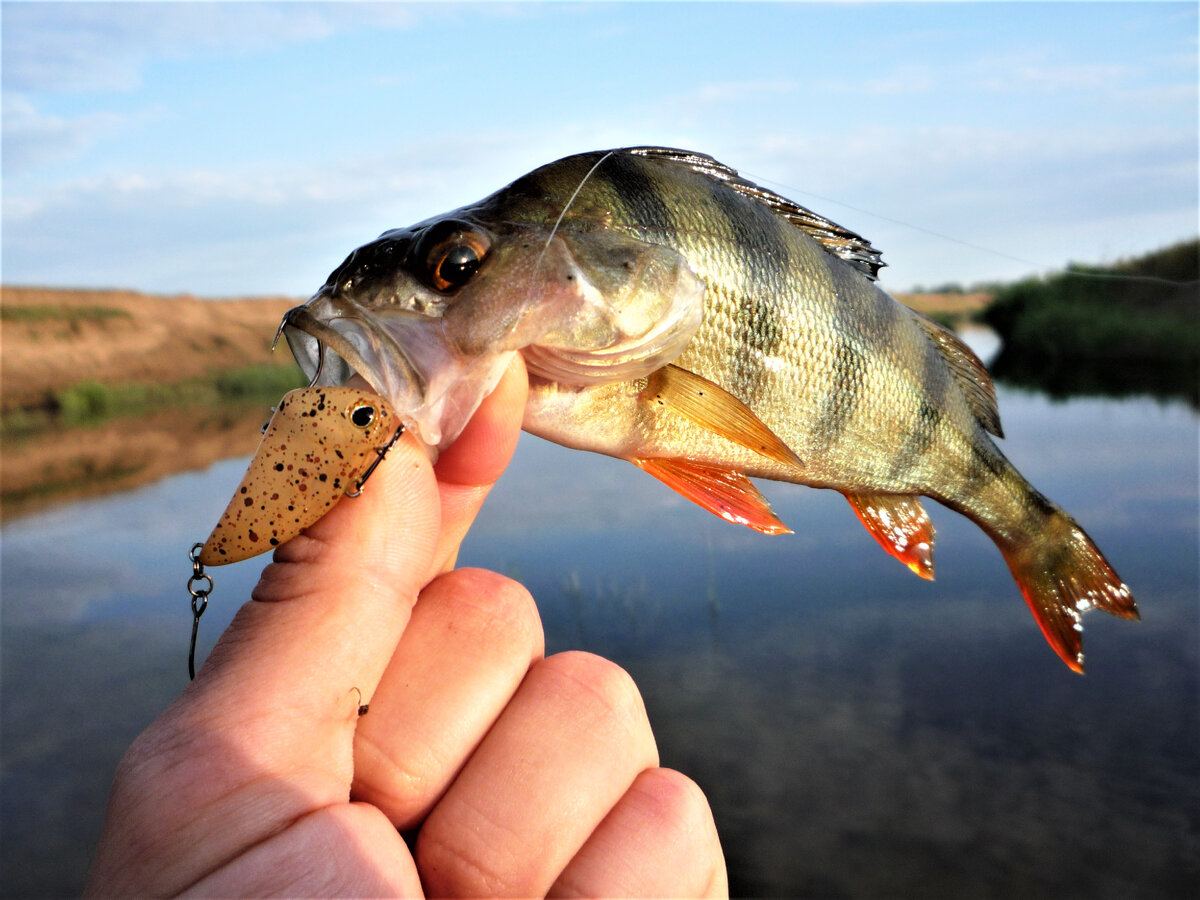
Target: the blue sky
pixel 231 149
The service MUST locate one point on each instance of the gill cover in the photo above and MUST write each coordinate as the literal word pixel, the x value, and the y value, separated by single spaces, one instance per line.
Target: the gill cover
pixel 584 307
pixel 600 307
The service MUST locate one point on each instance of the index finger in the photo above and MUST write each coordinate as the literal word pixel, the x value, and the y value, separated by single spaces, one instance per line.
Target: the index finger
pixel 368 558
pixel 470 466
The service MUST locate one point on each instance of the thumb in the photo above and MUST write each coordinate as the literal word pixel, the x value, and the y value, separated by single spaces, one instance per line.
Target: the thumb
pixel 264 735
pixel 331 609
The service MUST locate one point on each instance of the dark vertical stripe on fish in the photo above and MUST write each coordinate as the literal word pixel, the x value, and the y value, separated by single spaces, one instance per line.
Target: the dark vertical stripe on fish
pixel 639 197
pixel 757 236
pixel 984 467
pixel 934 380
pixel 917 442
pixel 841 400
pixel 848 370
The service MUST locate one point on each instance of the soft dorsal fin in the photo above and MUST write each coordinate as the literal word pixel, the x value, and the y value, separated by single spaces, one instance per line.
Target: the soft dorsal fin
pixel 841 242
pixel 971 374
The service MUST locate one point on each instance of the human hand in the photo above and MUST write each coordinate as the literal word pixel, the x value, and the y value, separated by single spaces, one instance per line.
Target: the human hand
pixel 511 774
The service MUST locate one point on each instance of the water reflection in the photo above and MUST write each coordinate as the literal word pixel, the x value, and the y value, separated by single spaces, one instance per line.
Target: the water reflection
pixel 1061 377
pixel 61 462
pixel 859 732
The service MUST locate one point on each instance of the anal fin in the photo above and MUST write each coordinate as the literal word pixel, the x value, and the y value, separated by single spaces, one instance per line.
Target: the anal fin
pixel 902 527
pixel 723 492
pixel 712 407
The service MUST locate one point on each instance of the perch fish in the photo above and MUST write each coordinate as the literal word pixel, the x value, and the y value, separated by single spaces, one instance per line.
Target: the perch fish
pixel 708 330
pixel 320 445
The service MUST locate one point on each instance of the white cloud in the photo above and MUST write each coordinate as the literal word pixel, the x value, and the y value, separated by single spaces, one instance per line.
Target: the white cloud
pixel 1042 195
pixel 106 46
pixel 1039 195
pixel 1069 77
pixel 266 228
pixel 738 91
pixel 32 138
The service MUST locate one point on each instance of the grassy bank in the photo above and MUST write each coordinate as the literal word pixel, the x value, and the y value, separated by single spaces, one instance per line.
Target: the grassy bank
pixel 91 401
pixel 51 313
pixel 1144 310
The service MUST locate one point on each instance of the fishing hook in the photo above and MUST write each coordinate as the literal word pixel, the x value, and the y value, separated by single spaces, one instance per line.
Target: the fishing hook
pixel 380 453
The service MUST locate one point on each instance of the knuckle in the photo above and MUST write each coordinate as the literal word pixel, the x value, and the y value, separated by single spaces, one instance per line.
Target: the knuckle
pixel 451 865
pixel 487 601
pixel 593 681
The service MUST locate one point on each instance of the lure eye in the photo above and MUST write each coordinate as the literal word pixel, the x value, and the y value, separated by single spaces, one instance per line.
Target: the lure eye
pixel 453 260
pixel 362 415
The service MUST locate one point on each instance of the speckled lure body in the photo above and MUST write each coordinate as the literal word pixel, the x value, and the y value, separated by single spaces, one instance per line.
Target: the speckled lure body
pixel 317 448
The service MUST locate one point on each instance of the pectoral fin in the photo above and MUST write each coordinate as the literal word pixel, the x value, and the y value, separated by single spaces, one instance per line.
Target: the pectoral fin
pixel 902 527
pixel 714 408
pixel 726 493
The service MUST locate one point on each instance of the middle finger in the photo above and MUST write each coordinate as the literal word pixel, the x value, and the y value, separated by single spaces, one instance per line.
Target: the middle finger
pixel 471 639
pixel 563 754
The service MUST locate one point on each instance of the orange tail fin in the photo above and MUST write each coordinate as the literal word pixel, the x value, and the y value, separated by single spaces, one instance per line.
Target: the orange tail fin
pixel 1062 575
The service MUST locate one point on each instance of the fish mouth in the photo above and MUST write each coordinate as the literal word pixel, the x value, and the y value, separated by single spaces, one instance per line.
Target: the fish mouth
pixel 402 354
pixel 359 343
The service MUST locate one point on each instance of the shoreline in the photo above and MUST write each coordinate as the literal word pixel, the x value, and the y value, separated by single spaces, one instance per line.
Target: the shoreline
pixel 106 390
pixel 55 338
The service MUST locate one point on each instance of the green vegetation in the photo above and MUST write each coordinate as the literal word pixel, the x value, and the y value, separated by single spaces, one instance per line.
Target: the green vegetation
pixel 61 313
pixel 91 401
pixel 1145 310
pixel 950 287
pixel 1132 328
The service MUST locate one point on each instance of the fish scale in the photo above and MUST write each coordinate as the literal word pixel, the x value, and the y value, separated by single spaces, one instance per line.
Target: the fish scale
pixel 708 330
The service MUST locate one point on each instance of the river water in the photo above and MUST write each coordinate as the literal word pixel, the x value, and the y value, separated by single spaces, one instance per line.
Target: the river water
pixel 859 732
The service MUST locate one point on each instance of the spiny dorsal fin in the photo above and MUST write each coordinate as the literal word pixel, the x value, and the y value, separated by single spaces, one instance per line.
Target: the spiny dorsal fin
pixel 841 242
pixel 971 374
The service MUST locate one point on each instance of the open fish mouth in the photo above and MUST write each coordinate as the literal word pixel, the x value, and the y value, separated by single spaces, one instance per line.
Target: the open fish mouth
pixel 403 355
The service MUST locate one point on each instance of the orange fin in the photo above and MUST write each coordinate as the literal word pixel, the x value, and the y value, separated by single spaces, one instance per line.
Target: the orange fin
pixel 1063 575
pixel 902 527
pixel 726 493
pixel 711 406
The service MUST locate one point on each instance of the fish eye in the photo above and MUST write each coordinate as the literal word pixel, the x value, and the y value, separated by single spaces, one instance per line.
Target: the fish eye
pixel 362 415
pixel 452 261
pixel 458 265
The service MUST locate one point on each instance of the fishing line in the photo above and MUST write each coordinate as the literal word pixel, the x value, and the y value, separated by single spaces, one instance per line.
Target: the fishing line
pixel 553 231
pixel 1100 276
pixel 571 200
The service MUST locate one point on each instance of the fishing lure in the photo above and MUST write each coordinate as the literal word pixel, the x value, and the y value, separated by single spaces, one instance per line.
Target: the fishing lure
pixel 321 445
